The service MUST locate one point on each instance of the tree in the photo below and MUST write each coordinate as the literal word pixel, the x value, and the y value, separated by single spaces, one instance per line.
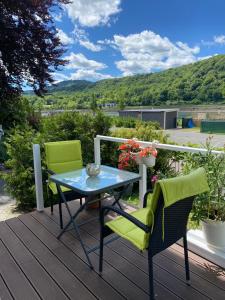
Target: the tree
pixel 30 49
pixel 121 104
pixel 93 104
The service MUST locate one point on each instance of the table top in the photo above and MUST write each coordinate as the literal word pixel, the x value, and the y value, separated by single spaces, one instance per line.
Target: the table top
pixel 109 178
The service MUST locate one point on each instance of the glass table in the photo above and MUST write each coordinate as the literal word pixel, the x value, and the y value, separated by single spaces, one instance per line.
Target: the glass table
pixel 107 181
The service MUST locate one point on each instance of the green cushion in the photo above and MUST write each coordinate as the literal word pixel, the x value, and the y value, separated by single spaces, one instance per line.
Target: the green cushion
pixel 53 188
pixel 181 187
pixel 174 189
pixel 131 232
pixel 63 156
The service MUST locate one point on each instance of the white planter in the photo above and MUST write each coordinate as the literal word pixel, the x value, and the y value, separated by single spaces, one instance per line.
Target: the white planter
pixel 137 158
pixel 149 161
pixel 214 233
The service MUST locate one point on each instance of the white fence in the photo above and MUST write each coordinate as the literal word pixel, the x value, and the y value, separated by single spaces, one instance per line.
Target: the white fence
pixel 196 243
pixel 142 168
pixel 97 154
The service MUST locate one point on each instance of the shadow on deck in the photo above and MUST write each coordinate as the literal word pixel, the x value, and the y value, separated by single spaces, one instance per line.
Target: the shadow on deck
pixel 35 265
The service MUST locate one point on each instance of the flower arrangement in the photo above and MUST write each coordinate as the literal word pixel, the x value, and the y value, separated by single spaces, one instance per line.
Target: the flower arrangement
pixel 130 146
pixel 149 151
pixel 126 157
pixel 132 153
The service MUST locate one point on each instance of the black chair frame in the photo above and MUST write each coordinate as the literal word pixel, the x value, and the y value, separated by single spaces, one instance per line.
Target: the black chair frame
pixel 69 195
pixel 175 228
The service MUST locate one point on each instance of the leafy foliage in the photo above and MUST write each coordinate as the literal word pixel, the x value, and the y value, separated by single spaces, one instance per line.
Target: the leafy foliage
pixel 20 179
pixel 67 126
pixel 210 205
pixel 29 49
pixel 200 82
pixel 129 122
pixel 74 125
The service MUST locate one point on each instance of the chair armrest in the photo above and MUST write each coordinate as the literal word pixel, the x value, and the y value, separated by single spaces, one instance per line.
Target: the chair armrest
pixel 146 197
pixel 125 215
pixel 50 172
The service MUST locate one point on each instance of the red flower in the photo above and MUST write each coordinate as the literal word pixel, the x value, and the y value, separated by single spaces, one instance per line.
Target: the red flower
pixel 149 151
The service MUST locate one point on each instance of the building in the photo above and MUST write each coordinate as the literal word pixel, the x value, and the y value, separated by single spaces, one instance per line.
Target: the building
pixel 167 118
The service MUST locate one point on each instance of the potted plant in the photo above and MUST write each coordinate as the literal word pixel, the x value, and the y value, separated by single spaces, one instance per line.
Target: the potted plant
pixel 209 208
pixel 131 150
pixel 129 153
pixel 148 156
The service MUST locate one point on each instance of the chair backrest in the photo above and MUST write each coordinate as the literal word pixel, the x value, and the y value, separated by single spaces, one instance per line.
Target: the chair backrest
pixel 63 156
pixel 172 203
pixel 170 224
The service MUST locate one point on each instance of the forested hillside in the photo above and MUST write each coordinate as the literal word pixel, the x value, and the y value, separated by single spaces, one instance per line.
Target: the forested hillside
pixel 197 83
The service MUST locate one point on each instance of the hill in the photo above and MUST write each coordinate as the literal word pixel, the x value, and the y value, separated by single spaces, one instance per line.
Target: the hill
pixel 198 83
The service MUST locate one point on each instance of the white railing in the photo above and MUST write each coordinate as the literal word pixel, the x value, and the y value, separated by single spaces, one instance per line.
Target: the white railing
pixel 142 168
pixel 97 153
pixel 195 241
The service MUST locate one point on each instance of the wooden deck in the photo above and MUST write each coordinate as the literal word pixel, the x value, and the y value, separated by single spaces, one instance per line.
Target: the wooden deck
pixel 35 265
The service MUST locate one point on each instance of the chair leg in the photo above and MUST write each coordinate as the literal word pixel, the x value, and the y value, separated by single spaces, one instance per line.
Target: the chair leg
pixel 101 241
pixel 150 274
pixel 187 270
pixel 60 213
pixel 51 207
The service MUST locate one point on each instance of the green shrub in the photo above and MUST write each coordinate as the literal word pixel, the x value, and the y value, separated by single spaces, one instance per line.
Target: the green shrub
pixel 209 205
pixel 142 132
pixel 129 122
pixel 20 179
pixel 66 126
pixel 3 151
pixel 18 112
pixel 74 125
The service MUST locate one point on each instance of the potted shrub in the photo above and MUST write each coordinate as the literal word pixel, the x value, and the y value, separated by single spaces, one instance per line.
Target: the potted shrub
pixel 209 208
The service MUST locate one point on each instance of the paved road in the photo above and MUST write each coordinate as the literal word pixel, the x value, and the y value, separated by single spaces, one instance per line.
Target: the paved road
pixel 182 136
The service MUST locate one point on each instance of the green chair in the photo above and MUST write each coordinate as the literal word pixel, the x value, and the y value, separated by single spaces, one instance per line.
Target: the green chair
pixel 63 156
pixel 162 221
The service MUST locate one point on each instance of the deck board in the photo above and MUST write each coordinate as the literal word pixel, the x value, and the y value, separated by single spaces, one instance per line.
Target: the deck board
pixel 43 283
pixel 32 258
pixel 4 291
pixel 17 282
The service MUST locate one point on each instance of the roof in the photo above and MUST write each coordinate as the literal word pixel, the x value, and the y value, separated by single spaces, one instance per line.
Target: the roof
pixel 150 110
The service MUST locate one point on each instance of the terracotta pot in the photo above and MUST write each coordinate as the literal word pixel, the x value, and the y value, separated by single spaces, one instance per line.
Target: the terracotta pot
pixel 214 232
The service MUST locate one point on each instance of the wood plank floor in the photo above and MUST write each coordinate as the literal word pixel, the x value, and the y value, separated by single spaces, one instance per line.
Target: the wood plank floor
pixel 35 265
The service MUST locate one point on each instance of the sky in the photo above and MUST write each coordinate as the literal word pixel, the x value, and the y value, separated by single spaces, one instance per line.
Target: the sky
pixel 116 38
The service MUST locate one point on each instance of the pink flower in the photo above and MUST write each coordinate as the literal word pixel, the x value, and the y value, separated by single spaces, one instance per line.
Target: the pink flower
pixel 154 179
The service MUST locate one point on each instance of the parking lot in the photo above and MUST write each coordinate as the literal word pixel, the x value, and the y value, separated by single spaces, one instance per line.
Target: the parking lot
pixel 185 136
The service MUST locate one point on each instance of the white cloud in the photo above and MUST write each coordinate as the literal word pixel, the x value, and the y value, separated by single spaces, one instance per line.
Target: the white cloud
pixel 91 75
pixel 58 18
pixel 79 61
pixel 92 12
pixel 220 39
pixel 217 39
pixel 60 77
pixel 146 52
pixel 81 36
pixel 64 38
pixel 90 46
pixel 85 68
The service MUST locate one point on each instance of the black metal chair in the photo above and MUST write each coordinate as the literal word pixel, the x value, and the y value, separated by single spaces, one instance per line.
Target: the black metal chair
pixel 63 156
pixel 169 226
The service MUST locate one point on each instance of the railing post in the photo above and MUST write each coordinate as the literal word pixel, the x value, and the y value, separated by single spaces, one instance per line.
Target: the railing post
pixel 38 177
pixel 97 151
pixel 142 183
